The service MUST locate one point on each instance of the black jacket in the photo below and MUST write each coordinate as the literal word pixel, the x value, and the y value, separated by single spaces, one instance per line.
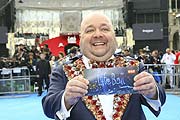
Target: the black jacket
pixel 43 68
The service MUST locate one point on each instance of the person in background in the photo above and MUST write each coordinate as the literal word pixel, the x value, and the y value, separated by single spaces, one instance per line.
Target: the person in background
pixel 34 50
pixel 168 59
pixel 154 59
pixel 127 54
pixel 66 97
pixel 52 61
pixel 177 60
pixel 177 63
pixel 45 50
pixel 61 59
pixel 72 54
pixel 31 62
pixel 43 70
pixel 142 57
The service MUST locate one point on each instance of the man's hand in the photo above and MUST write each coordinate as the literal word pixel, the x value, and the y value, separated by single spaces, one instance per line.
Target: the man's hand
pixel 145 85
pixel 75 89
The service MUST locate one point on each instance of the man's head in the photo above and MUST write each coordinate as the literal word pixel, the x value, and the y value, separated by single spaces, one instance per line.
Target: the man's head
pixel 154 53
pixel 97 38
pixel 31 55
pixel 42 56
pixel 168 50
pixel 60 55
pixel 126 52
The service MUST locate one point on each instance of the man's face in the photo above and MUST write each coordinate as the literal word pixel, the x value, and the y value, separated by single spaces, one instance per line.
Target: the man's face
pixel 168 51
pixel 97 38
pixel 42 56
pixel 155 53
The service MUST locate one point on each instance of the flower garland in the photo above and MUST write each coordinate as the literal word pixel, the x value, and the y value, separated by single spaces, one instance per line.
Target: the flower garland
pixel 92 102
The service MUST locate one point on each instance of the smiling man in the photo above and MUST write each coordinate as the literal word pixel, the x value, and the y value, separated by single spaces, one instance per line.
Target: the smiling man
pixel 67 99
pixel 97 37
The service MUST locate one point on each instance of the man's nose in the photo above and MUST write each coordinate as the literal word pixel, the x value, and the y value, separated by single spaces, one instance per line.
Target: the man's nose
pixel 97 33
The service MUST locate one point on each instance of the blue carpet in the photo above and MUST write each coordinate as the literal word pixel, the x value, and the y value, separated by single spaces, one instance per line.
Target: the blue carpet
pixel 169 111
pixel 28 107
pixel 22 108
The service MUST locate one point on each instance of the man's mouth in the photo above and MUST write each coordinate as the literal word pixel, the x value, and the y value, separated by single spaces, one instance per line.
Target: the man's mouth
pixel 98 44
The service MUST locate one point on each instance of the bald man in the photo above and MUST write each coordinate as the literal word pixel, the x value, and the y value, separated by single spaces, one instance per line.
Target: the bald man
pixel 67 99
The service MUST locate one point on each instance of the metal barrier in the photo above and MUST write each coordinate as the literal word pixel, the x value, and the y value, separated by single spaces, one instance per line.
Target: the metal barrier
pixel 15 80
pixel 168 74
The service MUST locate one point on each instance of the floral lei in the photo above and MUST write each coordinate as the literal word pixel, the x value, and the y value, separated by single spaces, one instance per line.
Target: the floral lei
pixel 92 102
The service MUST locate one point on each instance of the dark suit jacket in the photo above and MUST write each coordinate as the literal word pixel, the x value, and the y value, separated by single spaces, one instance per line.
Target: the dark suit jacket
pixel 52 101
pixel 43 68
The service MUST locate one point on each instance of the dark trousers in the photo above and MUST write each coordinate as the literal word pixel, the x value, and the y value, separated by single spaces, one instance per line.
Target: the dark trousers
pixel 40 83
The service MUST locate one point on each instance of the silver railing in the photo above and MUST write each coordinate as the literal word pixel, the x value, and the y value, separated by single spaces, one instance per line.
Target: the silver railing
pixel 15 80
pixel 166 73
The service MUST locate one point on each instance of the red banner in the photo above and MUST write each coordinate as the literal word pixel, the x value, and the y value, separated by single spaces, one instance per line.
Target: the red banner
pixel 58 44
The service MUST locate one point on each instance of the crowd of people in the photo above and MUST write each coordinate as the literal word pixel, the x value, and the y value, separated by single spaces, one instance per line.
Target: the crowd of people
pixel 40 62
pixel 160 63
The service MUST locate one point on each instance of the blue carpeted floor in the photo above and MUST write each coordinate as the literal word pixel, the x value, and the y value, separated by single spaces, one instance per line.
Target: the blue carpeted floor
pixel 170 110
pixel 28 107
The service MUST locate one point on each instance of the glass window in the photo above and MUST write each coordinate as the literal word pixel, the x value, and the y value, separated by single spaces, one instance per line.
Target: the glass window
pixel 140 18
pixel 149 18
pixel 156 18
